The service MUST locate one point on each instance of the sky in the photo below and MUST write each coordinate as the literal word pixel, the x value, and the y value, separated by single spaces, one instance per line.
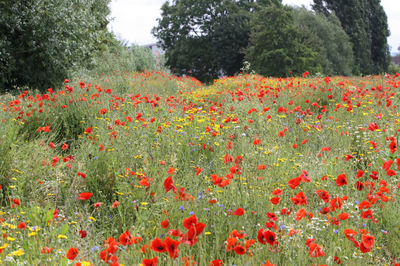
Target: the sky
pixel 134 19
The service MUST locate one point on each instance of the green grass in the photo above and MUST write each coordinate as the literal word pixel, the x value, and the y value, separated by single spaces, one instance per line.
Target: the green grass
pixel 177 123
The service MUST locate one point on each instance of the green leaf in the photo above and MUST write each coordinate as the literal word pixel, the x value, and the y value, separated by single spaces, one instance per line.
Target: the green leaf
pixel 63 230
pixel 48 216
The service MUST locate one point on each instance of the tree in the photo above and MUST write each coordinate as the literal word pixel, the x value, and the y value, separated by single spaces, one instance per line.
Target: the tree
pixel 203 38
pixel 230 36
pixel 41 41
pixel 326 37
pixel 276 47
pixel 365 22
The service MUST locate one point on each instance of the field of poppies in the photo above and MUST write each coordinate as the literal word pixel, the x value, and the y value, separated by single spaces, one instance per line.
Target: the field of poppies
pixel 152 169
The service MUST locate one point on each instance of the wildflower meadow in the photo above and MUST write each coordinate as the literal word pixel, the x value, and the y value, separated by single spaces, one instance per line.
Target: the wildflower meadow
pixel 147 168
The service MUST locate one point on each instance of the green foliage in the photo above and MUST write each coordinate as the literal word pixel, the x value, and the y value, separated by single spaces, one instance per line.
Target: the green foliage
pixel 117 56
pixel 66 126
pixel 365 22
pixel 393 68
pixel 276 46
pixel 326 36
pixel 203 38
pixel 41 41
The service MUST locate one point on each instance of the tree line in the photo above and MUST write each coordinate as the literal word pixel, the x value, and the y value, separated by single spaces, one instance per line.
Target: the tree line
pixel 42 42
pixel 212 37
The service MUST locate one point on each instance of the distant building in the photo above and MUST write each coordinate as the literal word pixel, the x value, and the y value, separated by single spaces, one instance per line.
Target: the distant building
pixel 396 59
pixel 154 47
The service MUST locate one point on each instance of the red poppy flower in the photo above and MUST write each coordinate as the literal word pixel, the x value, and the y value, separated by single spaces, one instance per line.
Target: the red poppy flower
pixel 363 248
pixel 126 238
pixel 359 186
pixel 268 264
pixel 171 170
pixel 216 263
pixel 21 225
pixel 172 247
pixel 360 173
pixel 260 237
pixel 386 165
pixel 261 167
pixel 237 234
pixel 198 170
pixel 323 194
pixel 275 200
pixel 239 212
pixel 144 182
pixel 190 221
pixel 348 157
pixel 315 251
pixel 169 184
pixel 277 192
pixel 85 196
pixel 256 141
pixel 72 253
pixel 112 245
pixel 17 201
pixel 368 240
pixel 300 214
pixel 304 141
pixel 83 175
pixel 299 199
pixel 341 180
pixel 374 175
pixel 158 246
pixel 336 203
pixel 272 216
pixel 150 262
pixel 82 234
pixel 97 204
pixel 270 237
pixel 343 216
pixel 46 250
pixel 349 233
pixel 231 243
pixel 293 183
pixel 367 215
pixel 240 250
pixel 165 224
pixel 391 172
pixel 393 146
pixel 372 126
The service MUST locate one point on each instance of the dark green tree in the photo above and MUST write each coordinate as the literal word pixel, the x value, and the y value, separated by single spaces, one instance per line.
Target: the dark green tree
pixel 365 22
pixel 230 36
pixel 203 38
pixel 42 40
pixel 276 47
pixel 326 37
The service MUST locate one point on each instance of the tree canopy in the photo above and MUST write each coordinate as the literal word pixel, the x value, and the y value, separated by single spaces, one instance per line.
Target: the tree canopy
pixel 365 22
pixel 276 47
pixel 326 36
pixel 205 38
pixel 42 40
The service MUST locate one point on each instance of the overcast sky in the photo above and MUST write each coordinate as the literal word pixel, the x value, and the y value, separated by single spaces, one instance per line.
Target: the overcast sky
pixel 134 19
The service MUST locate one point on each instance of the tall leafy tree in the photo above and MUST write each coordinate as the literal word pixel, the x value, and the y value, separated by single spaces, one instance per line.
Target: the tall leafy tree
pixel 276 47
pixel 42 40
pixel 203 38
pixel 365 22
pixel 327 37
